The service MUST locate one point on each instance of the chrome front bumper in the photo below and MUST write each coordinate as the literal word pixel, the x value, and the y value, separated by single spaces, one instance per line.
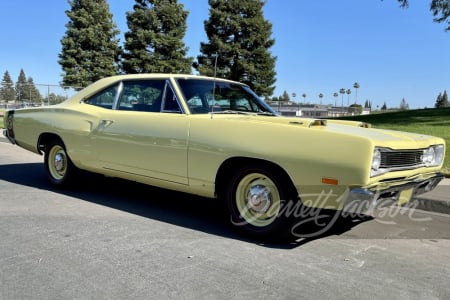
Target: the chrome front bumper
pixel 362 200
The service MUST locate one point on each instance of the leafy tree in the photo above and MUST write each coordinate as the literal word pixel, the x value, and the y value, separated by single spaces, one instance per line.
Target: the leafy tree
pixel 404 105
pixel 239 39
pixel 442 100
pixel 154 42
pixel 90 49
pixel 53 98
pixel 439 8
pixel 7 91
pixel 355 108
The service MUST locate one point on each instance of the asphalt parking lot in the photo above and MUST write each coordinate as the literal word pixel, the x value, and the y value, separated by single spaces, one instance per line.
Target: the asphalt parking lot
pixel 110 239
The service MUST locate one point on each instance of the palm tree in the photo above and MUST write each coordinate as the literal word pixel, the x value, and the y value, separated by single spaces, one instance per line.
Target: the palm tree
pixel 356 86
pixel 294 96
pixel 342 91
pixel 349 91
pixel 320 97
pixel 304 97
pixel 335 95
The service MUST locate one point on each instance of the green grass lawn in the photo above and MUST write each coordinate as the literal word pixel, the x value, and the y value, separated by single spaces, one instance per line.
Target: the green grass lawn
pixel 434 122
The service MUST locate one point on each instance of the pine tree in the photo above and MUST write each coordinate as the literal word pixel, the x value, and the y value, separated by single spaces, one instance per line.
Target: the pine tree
pixel 384 107
pixel 442 100
pixel 404 105
pixel 90 49
pixel 239 39
pixel 7 91
pixel 21 87
pixel 154 42
pixel 438 103
pixel 26 90
pixel 34 95
pixel 285 96
pixel 439 8
pixel 445 100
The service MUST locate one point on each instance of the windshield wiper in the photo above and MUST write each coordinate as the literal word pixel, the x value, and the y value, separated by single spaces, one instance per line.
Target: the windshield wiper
pixel 240 112
pixel 265 113
pixel 229 111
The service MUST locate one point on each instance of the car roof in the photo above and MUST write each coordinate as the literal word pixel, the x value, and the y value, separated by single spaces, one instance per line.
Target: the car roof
pixel 93 87
pixel 162 75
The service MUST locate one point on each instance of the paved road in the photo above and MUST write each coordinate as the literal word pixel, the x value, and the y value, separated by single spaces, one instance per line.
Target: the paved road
pixel 110 239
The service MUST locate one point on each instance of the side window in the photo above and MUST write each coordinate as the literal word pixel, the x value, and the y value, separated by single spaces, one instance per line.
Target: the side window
pixel 104 98
pixel 141 95
pixel 170 101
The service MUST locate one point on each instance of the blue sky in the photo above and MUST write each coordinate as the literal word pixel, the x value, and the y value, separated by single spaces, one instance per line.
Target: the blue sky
pixel 321 46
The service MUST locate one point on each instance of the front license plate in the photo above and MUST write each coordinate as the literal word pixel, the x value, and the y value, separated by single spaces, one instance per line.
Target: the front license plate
pixel 405 196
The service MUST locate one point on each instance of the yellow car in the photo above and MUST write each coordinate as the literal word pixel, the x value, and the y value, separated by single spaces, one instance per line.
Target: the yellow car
pixel 215 138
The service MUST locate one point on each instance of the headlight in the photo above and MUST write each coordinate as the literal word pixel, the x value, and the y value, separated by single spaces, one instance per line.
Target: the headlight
pixel 428 156
pixel 433 156
pixel 376 160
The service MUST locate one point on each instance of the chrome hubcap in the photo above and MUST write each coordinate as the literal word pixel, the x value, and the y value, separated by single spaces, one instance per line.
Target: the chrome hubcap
pixel 259 199
pixel 59 162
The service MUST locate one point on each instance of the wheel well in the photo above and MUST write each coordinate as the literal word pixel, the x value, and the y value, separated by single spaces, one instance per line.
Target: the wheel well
pixel 230 165
pixel 45 138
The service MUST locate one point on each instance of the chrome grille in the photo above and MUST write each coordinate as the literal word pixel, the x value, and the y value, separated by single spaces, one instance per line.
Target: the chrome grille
pixel 401 159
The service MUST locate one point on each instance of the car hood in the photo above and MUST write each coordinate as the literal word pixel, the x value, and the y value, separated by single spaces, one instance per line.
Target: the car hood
pixel 381 137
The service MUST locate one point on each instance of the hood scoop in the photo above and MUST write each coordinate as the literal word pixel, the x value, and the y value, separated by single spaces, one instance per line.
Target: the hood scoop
pixel 309 123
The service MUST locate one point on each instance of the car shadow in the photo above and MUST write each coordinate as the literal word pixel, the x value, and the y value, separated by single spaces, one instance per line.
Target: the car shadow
pixel 180 209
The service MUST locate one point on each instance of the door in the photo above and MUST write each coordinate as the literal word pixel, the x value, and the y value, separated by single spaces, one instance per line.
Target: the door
pixel 146 134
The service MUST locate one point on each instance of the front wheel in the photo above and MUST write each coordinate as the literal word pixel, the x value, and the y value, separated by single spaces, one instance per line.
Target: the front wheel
pixel 58 166
pixel 260 200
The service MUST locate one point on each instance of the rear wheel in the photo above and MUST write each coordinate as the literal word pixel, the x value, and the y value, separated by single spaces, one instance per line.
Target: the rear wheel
pixel 58 166
pixel 260 202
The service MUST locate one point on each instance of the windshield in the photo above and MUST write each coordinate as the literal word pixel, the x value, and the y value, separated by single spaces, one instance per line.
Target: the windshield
pixel 206 95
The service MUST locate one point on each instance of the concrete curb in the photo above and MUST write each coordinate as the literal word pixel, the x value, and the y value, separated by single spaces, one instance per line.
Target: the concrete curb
pixel 438 200
pixel 442 207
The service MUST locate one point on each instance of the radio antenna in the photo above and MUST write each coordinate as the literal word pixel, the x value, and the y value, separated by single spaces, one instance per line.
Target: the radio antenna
pixel 214 85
